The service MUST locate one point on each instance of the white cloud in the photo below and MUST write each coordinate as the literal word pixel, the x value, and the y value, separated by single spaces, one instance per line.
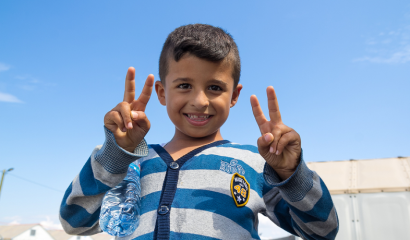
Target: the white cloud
pixel 4 67
pixel 50 225
pixel 34 81
pixel 401 56
pixel 22 77
pixel 5 97
pixel 27 87
pixel 30 83
pixel 49 222
pixel 15 222
pixel 27 77
pixel 11 220
pixel 389 47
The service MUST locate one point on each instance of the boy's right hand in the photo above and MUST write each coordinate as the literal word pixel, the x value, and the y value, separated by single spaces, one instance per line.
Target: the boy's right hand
pixel 127 121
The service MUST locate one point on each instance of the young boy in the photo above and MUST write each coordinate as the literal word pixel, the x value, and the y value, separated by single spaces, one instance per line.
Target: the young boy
pixel 198 185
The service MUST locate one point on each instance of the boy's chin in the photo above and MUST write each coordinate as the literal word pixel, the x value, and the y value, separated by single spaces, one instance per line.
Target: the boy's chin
pixel 199 134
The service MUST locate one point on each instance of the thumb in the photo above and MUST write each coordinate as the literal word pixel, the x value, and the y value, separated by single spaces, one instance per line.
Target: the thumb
pixel 264 143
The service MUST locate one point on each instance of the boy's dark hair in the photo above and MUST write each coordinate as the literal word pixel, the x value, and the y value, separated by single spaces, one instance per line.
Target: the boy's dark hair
pixel 204 41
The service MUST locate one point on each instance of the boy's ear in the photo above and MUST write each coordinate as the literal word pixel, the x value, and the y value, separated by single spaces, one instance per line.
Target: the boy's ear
pixel 235 94
pixel 160 89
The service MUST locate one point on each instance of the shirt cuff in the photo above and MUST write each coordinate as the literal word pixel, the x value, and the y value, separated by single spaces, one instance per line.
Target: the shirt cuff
pixel 115 159
pixel 296 186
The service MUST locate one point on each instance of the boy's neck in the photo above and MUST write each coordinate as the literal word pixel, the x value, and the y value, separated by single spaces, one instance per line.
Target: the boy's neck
pixel 182 144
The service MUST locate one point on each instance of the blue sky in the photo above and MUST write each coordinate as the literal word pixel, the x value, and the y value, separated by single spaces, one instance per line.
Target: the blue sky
pixel 341 71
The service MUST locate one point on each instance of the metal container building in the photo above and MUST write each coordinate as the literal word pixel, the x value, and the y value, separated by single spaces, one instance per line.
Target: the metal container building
pixel 372 197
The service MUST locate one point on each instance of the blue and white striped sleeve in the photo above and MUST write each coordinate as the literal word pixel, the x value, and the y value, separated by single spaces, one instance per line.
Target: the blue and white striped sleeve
pixel 301 204
pixel 106 167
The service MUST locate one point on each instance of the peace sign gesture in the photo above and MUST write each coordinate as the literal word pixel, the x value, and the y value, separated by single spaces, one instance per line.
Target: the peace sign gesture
pixel 279 144
pixel 127 121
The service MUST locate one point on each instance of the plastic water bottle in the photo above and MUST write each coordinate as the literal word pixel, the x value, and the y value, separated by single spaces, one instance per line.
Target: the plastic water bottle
pixel 120 208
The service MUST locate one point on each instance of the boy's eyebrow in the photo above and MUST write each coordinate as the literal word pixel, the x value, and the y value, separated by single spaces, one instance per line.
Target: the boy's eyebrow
pixel 190 80
pixel 218 82
pixel 183 80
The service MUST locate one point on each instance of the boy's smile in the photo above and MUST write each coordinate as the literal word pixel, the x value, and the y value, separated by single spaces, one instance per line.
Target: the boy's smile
pixel 198 119
pixel 198 95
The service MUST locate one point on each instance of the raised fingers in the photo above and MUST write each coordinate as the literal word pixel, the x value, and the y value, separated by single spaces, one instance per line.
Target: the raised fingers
pixel 129 92
pixel 258 114
pixel 273 105
pixel 142 101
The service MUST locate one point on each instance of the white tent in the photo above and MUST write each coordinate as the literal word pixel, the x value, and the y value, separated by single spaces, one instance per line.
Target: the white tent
pixel 372 197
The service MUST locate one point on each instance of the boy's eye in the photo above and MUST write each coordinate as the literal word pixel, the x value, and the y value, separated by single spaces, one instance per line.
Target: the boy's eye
pixel 215 88
pixel 184 86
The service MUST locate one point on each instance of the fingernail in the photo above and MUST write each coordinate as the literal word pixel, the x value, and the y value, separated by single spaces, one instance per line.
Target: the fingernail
pixel 129 125
pixel 267 137
pixel 124 129
pixel 277 152
pixel 271 150
pixel 134 114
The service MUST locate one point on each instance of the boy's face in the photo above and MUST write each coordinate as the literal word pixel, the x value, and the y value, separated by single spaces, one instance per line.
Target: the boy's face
pixel 198 95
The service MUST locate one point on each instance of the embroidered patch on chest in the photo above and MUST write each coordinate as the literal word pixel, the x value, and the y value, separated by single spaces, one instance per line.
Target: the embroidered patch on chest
pixel 232 167
pixel 240 190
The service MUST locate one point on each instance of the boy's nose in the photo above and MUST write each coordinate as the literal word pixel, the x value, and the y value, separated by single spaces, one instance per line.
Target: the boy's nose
pixel 200 100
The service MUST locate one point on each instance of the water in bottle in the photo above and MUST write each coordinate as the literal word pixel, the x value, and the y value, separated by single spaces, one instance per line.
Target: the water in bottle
pixel 120 208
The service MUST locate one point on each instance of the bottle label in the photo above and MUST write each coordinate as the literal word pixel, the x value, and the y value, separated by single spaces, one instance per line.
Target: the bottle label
pixel 136 167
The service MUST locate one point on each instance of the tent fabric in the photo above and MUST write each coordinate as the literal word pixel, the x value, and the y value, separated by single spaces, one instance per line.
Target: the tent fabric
pixel 365 176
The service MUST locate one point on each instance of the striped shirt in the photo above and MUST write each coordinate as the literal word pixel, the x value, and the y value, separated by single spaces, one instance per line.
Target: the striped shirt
pixel 213 192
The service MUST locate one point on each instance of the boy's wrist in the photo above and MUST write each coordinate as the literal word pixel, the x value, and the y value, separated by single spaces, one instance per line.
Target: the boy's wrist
pixel 285 174
pixel 284 171
pixel 295 186
pixel 115 159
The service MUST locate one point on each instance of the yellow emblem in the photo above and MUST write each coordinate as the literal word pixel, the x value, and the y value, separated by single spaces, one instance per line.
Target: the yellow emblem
pixel 240 190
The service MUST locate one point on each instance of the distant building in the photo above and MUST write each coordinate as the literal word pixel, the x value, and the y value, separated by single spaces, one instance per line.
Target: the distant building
pixel 37 232
pixel 61 235
pixel 24 232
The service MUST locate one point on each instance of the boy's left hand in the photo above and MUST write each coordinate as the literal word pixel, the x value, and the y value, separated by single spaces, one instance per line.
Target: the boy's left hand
pixel 279 144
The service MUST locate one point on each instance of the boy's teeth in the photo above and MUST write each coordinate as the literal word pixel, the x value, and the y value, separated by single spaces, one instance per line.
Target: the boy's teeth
pixel 195 116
